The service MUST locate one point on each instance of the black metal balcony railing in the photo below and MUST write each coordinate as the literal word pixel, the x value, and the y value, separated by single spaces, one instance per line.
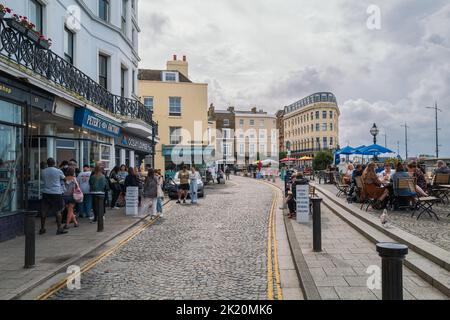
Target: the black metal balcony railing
pixel 17 47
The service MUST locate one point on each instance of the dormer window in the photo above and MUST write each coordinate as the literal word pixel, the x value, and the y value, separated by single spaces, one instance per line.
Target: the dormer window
pixel 170 76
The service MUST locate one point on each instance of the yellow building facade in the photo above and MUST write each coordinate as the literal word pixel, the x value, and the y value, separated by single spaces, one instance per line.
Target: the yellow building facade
pixel 181 109
pixel 256 136
pixel 312 125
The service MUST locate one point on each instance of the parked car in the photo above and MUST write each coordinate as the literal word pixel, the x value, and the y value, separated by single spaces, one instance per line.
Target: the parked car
pixel 172 187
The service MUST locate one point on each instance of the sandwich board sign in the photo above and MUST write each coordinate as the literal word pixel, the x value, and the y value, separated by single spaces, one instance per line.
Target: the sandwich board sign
pixel 132 201
pixel 302 197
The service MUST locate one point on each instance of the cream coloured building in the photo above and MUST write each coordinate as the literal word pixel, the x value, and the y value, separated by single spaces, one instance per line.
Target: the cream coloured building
pixel 312 124
pixel 256 135
pixel 180 107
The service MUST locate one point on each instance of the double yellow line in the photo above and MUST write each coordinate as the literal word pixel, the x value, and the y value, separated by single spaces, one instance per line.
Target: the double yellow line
pixel 273 269
pixel 92 263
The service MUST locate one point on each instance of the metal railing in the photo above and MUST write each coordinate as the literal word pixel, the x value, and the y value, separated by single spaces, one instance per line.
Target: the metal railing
pixel 23 50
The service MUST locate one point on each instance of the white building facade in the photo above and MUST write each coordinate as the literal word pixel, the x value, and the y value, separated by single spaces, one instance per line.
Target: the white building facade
pixel 77 99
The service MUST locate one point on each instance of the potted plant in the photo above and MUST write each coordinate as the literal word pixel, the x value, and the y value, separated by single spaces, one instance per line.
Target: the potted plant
pixel 33 34
pixel 44 42
pixel 4 10
pixel 18 23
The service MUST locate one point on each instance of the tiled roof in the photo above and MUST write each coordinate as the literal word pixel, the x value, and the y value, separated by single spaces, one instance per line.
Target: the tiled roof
pixel 156 75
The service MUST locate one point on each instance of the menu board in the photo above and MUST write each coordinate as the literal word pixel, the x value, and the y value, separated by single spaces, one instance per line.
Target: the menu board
pixel 302 197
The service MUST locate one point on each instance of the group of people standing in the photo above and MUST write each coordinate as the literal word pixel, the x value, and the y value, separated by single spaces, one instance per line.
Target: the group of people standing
pixel 63 191
pixel 68 190
pixel 188 184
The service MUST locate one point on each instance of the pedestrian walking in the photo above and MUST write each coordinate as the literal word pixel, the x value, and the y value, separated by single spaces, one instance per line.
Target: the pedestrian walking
pixel 52 195
pixel 85 208
pixel 227 172
pixel 98 184
pixel 194 176
pixel 151 192
pixel 159 204
pixel 183 188
pixel 71 186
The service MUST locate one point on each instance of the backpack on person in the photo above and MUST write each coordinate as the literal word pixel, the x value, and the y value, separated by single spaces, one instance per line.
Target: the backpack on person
pixel 151 188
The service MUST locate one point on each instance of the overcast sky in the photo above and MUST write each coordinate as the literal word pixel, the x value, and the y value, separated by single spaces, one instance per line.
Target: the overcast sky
pixel 271 53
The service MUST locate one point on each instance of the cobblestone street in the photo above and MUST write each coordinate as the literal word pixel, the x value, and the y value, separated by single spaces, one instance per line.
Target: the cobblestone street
pixel 216 250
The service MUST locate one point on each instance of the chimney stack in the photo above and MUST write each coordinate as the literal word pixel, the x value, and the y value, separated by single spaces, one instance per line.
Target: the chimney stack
pixel 254 110
pixel 180 66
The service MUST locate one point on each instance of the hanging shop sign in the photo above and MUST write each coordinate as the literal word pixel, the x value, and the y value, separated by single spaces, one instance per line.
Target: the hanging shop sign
pixel 131 142
pixel 88 119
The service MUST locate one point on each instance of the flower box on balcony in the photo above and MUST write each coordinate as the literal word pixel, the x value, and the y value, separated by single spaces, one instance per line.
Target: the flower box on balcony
pixel 33 36
pixel 45 44
pixel 16 25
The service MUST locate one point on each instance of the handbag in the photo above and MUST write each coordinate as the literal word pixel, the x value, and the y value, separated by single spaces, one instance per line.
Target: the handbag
pixel 78 195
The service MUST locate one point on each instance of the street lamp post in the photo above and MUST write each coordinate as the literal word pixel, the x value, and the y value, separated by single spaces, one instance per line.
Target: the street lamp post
pixel 374 132
pixel 436 110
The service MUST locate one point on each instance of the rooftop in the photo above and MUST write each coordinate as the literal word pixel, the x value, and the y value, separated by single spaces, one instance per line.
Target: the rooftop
pixel 156 75
pixel 314 98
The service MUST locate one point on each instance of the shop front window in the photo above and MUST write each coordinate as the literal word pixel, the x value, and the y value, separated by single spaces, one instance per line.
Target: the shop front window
pixel 11 158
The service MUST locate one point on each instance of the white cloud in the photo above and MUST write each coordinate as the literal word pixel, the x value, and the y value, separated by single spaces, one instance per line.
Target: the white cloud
pixel 270 53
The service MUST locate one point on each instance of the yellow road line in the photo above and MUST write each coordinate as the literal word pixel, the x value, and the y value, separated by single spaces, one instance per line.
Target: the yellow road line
pixel 91 263
pixel 273 269
pixel 275 254
pixel 269 258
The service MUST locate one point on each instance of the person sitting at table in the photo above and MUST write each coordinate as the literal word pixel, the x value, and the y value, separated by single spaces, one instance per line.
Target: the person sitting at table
pixel 352 196
pixel 374 187
pixel 385 175
pixel 421 181
pixel 402 172
pixel 442 167
pixel 348 174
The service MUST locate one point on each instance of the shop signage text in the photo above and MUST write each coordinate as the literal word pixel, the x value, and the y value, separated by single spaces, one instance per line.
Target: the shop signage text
pixel 88 119
pixel 135 143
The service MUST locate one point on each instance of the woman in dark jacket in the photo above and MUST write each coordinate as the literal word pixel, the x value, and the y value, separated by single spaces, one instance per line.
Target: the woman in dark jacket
pixel 132 180
pixel 115 186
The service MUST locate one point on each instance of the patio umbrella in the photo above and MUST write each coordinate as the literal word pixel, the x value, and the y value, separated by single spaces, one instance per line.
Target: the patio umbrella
pixel 358 150
pixel 346 151
pixel 375 149
pixel 288 159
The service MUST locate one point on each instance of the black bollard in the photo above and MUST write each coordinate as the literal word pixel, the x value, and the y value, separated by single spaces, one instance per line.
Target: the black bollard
pixel 317 225
pixel 30 239
pixel 99 203
pixel 392 256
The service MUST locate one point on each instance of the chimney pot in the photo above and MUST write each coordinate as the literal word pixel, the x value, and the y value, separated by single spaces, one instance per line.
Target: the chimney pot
pixel 174 57
pixel 184 58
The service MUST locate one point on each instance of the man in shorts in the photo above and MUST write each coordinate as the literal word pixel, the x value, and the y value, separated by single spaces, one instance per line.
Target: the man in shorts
pixel 184 187
pixel 52 195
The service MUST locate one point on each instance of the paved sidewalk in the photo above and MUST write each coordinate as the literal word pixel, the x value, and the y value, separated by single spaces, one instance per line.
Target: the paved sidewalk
pixel 339 272
pixel 53 252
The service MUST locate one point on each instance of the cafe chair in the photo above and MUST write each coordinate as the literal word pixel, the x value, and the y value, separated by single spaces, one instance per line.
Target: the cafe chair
pixel 365 199
pixel 424 204
pixel 404 193
pixel 342 188
pixel 441 179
